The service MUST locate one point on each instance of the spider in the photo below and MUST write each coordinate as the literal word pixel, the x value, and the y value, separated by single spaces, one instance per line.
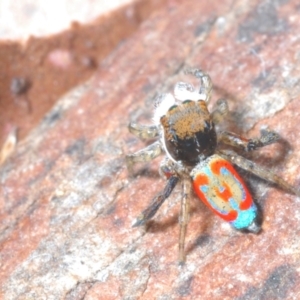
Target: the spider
pixel 195 154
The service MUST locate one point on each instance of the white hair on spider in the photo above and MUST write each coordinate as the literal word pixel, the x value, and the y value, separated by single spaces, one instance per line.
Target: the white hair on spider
pixel 163 103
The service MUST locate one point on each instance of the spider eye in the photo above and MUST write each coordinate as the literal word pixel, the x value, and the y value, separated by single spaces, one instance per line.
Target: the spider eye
pixel 172 107
pixel 187 101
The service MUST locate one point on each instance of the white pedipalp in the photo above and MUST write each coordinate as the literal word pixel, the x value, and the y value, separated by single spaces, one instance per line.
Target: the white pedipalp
pixel 186 91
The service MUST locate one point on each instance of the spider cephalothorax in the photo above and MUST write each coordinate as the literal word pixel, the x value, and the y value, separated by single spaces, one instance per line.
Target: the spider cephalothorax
pixel 186 133
pixel 189 132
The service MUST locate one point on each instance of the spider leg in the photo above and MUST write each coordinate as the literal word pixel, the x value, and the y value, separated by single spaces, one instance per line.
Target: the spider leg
pixel 267 137
pixel 184 217
pixel 220 111
pixel 143 155
pixel 143 131
pixel 156 203
pixel 251 167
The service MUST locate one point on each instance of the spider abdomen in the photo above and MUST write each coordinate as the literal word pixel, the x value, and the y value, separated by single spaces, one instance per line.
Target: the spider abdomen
pixel 220 187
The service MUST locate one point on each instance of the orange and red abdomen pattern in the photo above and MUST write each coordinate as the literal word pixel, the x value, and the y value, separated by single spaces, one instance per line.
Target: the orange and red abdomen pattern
pixel 220 187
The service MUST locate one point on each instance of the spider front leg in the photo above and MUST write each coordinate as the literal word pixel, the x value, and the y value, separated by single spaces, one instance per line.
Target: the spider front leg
pixel 143 131
pixel 151 210
pixel 267 137
pixel 220 111
pixel 144 155
pixel 253 168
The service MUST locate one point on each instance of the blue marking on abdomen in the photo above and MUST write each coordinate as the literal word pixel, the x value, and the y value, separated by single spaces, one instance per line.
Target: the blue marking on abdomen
pixel 245 217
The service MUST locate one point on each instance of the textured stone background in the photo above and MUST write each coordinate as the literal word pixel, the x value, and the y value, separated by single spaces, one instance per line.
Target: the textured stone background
pixel 67 203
